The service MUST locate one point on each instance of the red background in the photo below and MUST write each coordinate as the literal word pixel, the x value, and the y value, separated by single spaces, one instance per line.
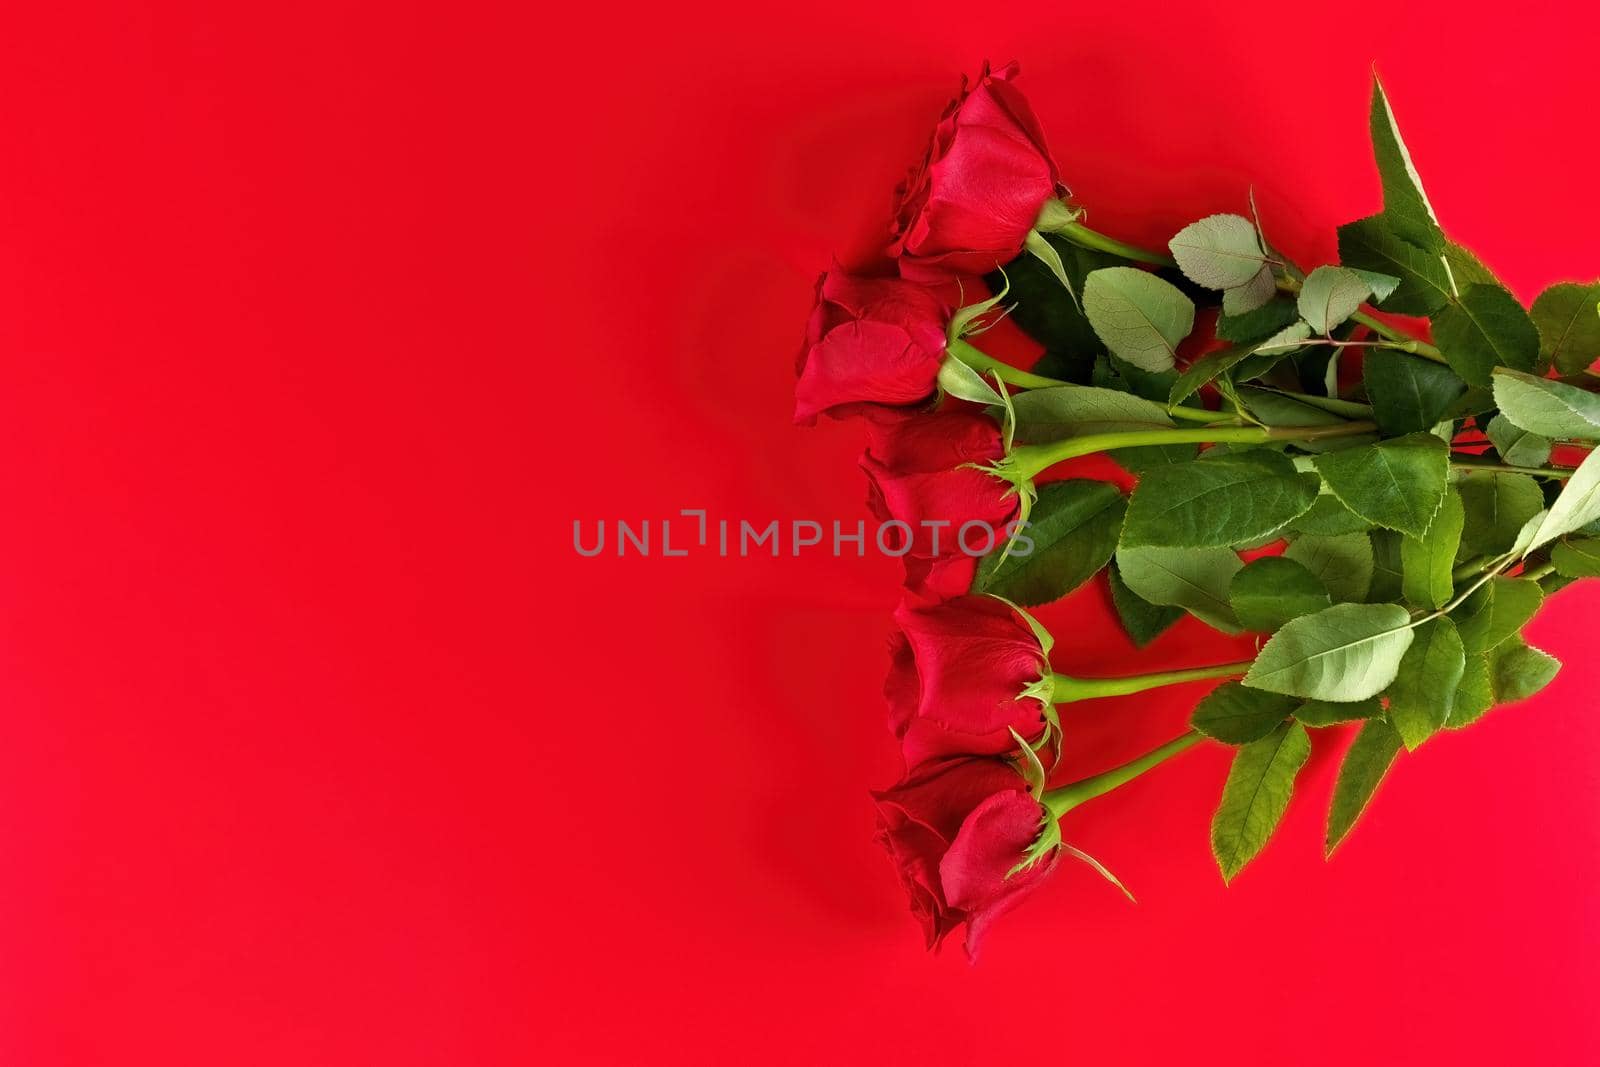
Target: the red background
pixel 319 324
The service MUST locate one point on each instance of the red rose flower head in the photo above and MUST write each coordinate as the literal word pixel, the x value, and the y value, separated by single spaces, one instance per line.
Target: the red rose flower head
pixel 968 207
pixel 967 677
pixel 924 472
pixel 869 341
pixel 962 835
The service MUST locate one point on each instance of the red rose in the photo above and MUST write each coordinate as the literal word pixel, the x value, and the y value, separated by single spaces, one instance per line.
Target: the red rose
pixel 987 173
pixel 931 581
pixel 954 830
pixel 957 677
pixel 869 341
pixel 917 474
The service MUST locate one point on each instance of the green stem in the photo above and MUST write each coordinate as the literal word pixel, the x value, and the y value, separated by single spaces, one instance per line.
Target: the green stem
pixel 1404 341
pixel 1498 564
pixel 1067 689
pixel 1062 800
pixel 1206 415
pixel 1397 338
pixel 1081 235
pixel 1029 461
pixel 1510 468
pixel 986 364
pixel 1539 572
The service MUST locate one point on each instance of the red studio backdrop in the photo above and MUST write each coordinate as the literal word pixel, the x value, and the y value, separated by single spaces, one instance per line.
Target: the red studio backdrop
pixel 321 323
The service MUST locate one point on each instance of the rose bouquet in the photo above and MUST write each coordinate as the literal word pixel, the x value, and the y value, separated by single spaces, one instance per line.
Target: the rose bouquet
pixel 1386 507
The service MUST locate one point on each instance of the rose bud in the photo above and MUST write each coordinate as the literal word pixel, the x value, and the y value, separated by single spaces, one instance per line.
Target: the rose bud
pixel 967 677
pixel 869 341
pixel 924 472
pixel 972 203
pixel 962 834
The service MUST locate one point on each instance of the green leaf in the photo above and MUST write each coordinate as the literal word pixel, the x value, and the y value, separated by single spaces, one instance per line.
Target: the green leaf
pixel 1256 794
pixel 1272 590
pixel 1427 562
pixel 1346 652
pixel 1329 296
pixel 1235 715
pixel 1405 204
pixel 1517 671
pixel 1579 558
pixel 1114 372
pixel 1334 712
pixel 1576 507
pixel 1219 251
pixel 1516 445
pixel 1258 323
pixel 1382 285
pixel 1425 688
pixel 1466 269
pixel 1256 292
pixel 1205 369
pixel 1285 340
pixel 1398 483
pixel 1345 409
pixel 1474 695
pixel 1548 408
pixel 1365 763
pixel 1342 563
pixel 1074 526
pixel 1213 503
pixel 1195 580
pixel 1149 457
pixel 1475 401
pixel 1524 542
pixel 1569 326
pixel 1138 316
pixel 1141 620
pixel 1387 567
pixel 1279 409
pixel 1064 411
pixel 1257 367
pixel 1370 244
pixel 1327 517
pixel 1118 375
pixel 1497 506
pixel 1496 611
pixel 1409 395
pixel 1486 328
pixel 1036 299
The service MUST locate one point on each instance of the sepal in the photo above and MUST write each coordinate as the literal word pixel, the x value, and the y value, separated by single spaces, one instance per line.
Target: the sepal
pixel 1057 215
pixel 962 323
pixel 1047 640
pixel 1029 765
pixel 959 380
pixel 1048 841
pixel 1046 253
pixel 1008 470
pixel 1101 869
